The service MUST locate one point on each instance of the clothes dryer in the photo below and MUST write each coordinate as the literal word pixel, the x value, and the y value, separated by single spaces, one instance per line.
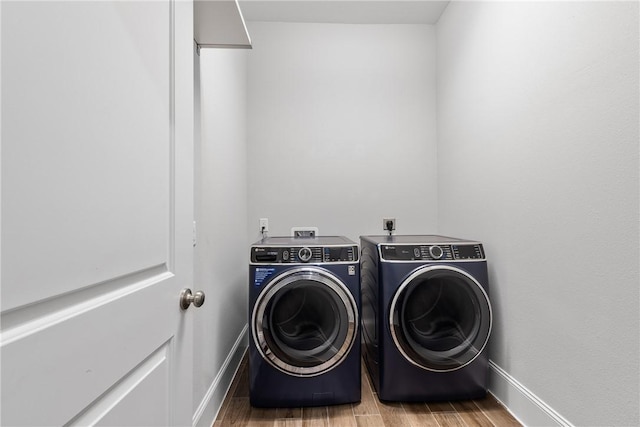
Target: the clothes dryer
pixel 426 317
pixel 304 315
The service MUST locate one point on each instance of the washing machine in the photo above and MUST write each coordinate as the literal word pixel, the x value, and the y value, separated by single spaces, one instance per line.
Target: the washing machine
pixel 426 317
pixel 304 315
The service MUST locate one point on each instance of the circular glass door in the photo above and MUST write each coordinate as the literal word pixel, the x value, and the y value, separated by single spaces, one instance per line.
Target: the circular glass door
pixel 304 322
pixel 440 318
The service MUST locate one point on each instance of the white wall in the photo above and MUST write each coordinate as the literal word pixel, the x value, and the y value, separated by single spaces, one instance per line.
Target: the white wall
pixel 341 127
pixel 538 157
pixel 221 253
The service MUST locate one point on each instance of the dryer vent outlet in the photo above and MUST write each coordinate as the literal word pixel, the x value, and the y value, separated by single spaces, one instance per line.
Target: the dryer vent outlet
pixel 304 231
pixel 389 224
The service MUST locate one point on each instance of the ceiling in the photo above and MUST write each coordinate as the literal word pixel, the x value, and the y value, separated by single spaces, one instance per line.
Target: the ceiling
pixel 344 11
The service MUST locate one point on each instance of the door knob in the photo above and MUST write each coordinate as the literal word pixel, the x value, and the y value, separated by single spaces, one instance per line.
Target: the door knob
pixel 186 298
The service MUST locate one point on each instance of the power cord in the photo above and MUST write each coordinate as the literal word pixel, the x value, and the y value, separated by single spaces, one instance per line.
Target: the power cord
pixel 389 226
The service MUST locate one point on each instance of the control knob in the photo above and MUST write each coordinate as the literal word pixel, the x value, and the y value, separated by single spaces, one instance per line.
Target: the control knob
pixel 305 254
pixel 436 252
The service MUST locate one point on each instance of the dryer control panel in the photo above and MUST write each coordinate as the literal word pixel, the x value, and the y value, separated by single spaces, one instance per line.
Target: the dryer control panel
pixel 303 254
pixel 437 252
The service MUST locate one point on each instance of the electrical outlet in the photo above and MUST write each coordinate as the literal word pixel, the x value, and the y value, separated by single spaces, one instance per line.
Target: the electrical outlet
pixel 388 223
pixel 264 224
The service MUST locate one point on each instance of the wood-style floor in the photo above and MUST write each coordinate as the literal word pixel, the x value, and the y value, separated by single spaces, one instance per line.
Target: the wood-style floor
pixel 369 412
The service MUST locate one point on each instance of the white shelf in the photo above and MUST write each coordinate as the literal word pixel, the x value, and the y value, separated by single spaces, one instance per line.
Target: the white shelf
pixel 219 24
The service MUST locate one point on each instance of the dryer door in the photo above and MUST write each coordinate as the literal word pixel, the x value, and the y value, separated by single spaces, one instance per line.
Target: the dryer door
pixel 440 318
pixel 305 321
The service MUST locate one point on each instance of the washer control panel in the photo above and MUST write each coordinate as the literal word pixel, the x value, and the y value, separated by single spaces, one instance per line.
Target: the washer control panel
pixel 436 252
pixel 303 254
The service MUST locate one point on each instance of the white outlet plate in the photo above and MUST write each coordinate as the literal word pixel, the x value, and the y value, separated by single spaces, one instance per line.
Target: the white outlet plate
pixel 264 224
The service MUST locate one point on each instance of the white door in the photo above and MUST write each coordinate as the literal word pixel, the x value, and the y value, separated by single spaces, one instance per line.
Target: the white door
pixel 97 209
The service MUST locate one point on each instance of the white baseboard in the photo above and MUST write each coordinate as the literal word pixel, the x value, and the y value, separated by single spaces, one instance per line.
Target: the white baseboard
pixel 528 408
pixel 208 409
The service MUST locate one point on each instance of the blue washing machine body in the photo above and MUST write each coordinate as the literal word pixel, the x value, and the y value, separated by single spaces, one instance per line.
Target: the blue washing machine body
pixel 304 315
pixel 426 317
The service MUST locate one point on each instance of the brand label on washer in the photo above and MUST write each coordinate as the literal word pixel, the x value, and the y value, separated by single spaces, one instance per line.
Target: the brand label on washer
pixel 261 275
pixel 352 270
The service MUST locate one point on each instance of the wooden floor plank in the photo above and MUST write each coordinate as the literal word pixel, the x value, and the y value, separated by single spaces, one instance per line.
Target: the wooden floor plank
pixel 439 407
pixel 469 413
pixel 449 419
pixel 369 421
pixel 288 422
pixel 261 417
pixel 496 412
pixel 315 416
pixel 341 416
pixel 419 415
pixel 393 414
pixel 295 413
pixel 238 412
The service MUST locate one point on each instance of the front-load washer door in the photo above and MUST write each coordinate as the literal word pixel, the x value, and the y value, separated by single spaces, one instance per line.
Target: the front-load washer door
pixel 305 321
pixel 440 318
